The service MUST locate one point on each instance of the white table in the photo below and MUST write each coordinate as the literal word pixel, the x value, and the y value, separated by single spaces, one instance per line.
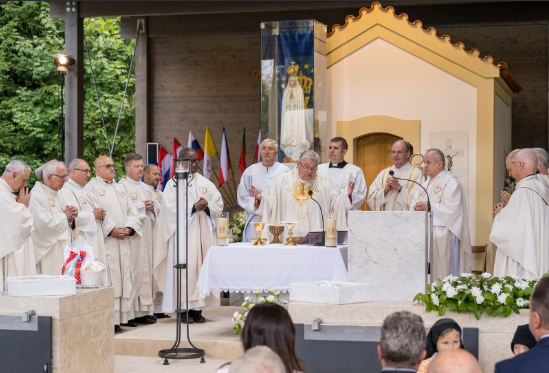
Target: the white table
pixel 242 267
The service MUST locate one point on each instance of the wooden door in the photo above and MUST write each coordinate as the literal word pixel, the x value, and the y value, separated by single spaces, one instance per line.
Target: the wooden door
pixel 373 155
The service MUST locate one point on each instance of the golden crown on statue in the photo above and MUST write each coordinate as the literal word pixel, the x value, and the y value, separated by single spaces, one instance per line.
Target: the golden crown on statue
pixel 305 83
pixel 293 69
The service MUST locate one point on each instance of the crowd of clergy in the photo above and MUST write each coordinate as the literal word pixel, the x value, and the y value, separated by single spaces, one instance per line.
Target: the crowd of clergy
pixel 131 225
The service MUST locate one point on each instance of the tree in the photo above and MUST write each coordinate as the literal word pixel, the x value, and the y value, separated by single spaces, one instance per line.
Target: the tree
pixel 30 92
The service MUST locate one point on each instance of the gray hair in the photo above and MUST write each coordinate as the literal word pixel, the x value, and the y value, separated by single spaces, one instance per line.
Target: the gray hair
pixel 543 157
pixel 74 164
pixel 16 166
pixel 47 169
pixel 258 359
pixel 312 155
pixel 439 156
pixel 402 339
pixel 513 153
pixel 186 153
pixel 274 143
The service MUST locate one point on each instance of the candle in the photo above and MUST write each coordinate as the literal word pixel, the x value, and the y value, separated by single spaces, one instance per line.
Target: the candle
pixel 222 231
pixel 331 232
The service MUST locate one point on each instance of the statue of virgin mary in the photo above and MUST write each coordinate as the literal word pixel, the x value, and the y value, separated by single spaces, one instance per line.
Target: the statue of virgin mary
pixel 293 140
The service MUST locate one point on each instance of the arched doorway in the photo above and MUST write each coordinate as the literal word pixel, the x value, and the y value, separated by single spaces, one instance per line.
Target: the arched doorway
pixel 373 155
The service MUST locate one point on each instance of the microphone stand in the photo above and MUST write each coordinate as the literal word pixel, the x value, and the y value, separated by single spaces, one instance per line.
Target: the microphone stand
pixel 323 243
pixel 175 352
pixel 429 276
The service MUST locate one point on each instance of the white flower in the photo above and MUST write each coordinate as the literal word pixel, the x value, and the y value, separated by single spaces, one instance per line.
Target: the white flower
pixel 479 299
pixel 514 277
pixel 450 279
pixel 270 299
pixel 461 287
pixel 261 300
pixel 496 288
pixel 247 299
pixel 451 292
pixel 486 275
pixel 434 299
pixel 466 275
pixel 521 285
pixel 446 286
pixel 502 298
pixel 235 315
pixel 522 303
pixel 476 292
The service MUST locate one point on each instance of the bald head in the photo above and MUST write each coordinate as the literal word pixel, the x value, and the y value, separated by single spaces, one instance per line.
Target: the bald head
pixel 454 361
pixel 509 159
pixel 104 167
pixel 152 175
pixel 524 164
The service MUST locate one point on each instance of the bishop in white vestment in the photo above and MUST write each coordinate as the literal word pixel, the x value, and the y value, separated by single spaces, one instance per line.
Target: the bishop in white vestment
pixel 16 249
pixel 52 219
pixel 289 200
pixel 142 198
pixel 120 227
pixel 262 175
pixel 520 229
pixel 387 193
pixel 348 177
pixel 205 206
pixel 451 239
pixel 89 222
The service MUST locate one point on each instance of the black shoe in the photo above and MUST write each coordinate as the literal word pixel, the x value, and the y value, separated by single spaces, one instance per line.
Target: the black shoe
pixel 162 316
pixel 130 323
pixel 151 317
pixel 197 316
pixel 117 329
pixel 144 320
pixel 184 318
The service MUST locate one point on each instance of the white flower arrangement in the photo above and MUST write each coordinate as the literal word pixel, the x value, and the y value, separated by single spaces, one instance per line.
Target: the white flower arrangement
pixel 236 228
pixel 240 319
pixel 478 294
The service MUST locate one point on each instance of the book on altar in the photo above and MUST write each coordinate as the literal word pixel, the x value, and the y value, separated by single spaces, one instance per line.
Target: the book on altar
pixel 330 292
pixel 314 237
pixel 41 285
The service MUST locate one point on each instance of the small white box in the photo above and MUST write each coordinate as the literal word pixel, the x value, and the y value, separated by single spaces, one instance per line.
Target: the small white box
pixel 330 292
pixel 41 285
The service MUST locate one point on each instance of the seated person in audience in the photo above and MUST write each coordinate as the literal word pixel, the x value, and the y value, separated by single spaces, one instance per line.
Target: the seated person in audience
pixel 445 335
pixel 454 361
pixel 269 324
pixel 537 359
pixel 259 359
pixel 523 340
pixel 402 344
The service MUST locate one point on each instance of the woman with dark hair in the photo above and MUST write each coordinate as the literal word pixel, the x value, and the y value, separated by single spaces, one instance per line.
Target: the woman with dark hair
pixel 523 340
pixel 445 335
pixel 269 324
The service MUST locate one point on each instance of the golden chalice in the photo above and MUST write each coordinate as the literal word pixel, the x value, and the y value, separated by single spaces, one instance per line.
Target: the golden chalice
pixel 259 241
pixel 290 226
pixel 276 231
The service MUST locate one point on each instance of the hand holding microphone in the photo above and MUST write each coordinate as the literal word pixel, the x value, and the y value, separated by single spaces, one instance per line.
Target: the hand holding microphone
pixel 392 173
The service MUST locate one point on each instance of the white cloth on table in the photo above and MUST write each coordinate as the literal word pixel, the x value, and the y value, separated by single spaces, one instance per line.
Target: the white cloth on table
pixel 243 267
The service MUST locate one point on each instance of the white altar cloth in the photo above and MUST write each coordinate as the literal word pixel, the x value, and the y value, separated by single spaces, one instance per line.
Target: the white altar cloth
pixel 242 267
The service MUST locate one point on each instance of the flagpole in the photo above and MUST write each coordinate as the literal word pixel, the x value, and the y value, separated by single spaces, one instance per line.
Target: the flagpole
pixel 232 193
pixel 231 200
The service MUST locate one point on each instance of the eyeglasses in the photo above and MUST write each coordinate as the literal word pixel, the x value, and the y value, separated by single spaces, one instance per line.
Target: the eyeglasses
pixel 85 171
pixel 108 166
pixel 64 177
pixel 313 169
pixel 195 161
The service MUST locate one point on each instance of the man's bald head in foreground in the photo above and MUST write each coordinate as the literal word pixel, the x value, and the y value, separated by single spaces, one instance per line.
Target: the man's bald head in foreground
pixel 454 361
pixel 524 164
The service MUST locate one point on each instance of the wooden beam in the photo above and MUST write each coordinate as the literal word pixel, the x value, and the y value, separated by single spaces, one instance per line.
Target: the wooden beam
pixel 74 85
pixel 141 90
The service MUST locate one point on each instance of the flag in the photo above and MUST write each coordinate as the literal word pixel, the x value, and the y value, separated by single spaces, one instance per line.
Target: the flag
pixel 257 155
pixel 193 143
pixel 242 161
pixel 210 152
pixel 175 153
pixel 165 163
pixel 225 161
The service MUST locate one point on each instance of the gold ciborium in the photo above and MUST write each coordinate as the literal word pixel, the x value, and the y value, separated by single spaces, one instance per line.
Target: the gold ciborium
pixel 276 231
pixel 290 226
pixel 259 241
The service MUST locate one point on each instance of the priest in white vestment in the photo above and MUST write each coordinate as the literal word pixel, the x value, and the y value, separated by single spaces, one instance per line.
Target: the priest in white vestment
pixel 205 207
pixel 520 229
pixel 451 239
pixel 261 175
pixel 543 165
pixel 120 227
pixel 88 224
pixel 142 198
pixel 52 219
pixel 16 249
pixel 348 177
pixel 387 193
pixel 289 200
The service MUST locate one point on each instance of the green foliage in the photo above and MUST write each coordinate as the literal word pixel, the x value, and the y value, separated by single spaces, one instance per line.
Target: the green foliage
pixel 30 93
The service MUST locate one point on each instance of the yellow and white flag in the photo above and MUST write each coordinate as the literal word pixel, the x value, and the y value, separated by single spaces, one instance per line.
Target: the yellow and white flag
pixel 210 151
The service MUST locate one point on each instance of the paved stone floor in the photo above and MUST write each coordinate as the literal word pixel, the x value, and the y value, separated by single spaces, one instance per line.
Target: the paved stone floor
pixel 145 364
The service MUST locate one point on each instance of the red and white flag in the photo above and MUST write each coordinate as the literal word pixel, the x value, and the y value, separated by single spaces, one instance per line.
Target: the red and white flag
pixel 175 153
pixel 257 154
pixel 225 164
pixel 164 162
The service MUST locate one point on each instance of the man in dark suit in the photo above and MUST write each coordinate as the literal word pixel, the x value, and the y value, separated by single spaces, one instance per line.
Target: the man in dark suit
pixel 402 344
pixel 537 359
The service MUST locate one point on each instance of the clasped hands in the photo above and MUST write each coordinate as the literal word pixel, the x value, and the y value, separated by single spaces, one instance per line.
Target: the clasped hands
pixel 149 205
pixel 392 183
pixel 120 233
pixel 99 213
pixel 504 201
pixel 71 212
pixel 201 205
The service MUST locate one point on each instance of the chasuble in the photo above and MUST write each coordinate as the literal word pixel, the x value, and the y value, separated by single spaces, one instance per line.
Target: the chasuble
pixel 202 235
pixel 521 232
pixel 16 225
pixel 121 213
pixel 340 175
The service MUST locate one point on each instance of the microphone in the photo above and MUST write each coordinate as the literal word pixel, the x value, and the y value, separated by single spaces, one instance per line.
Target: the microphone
pixel 392 173
pixel 323 243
